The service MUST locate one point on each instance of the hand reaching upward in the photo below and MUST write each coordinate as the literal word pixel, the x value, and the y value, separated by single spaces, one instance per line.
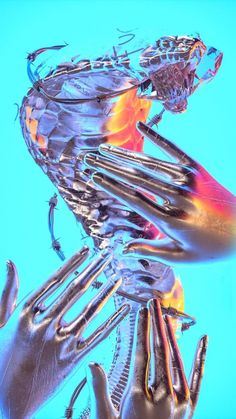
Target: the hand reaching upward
pixel 40 350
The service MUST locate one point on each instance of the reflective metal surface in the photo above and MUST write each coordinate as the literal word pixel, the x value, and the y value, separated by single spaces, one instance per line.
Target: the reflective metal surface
pixel 40 349
pixel 196 214
pixel 168 395
pixel 71 111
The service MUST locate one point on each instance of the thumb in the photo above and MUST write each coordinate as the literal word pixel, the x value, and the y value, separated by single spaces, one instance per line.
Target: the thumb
pixel 162 250
pixel 9 294
pixel 101 404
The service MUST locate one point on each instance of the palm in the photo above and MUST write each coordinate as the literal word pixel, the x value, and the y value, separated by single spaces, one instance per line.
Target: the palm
pixel 40 349
pixel 196 214
pixel 169 395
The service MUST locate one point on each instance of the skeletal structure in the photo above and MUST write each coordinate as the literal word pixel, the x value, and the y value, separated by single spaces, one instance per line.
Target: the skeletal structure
pixel 81 105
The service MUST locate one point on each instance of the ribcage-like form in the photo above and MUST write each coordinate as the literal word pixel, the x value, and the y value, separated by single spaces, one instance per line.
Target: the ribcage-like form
pixel 58 135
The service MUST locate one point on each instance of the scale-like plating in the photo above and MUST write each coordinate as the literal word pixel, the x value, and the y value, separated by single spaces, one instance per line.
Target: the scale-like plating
pixel 80 105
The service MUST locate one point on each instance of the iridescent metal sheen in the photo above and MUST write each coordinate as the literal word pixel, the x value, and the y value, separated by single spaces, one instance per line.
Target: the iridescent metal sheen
pixel 40 349
pixel 168 395
pixel 196 214
pixel 81 104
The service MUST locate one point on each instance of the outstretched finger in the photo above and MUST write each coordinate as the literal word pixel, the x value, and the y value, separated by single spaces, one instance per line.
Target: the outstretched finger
pixel 167 146
pixel 133 176
pixel 166 250
pixel 101 404
pixel 134 200
pixel 161 353
pixel 57 279
pixel 78 286
pixel 139 369
pixel 141 160
pixel 102 331
pixel 93 307
pixel 197 371
pixel 180 382
pixel 9 294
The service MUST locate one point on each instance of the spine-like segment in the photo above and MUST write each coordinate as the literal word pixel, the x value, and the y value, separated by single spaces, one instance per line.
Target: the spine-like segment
pixel 57 137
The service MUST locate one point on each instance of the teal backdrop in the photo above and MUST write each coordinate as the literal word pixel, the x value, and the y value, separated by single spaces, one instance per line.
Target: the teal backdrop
pixel 206 131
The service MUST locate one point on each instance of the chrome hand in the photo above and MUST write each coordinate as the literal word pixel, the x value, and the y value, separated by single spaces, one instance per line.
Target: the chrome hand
pixel 196 214
pixel 169 395
pixel 38 348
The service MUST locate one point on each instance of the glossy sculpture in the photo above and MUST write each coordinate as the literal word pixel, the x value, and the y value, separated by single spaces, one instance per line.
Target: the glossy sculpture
pixel 197 214
pixel 169 395
pixel 40 349
pixel 81 104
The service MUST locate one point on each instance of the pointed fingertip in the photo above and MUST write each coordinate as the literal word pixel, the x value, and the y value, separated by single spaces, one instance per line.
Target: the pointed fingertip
pixel 10 265
pixel 154 303
pixel 89 159
pixel 204 341
pixel 105 147
pixel 126 308
pixel 125 251
pixel 140 124
pixel 118 282
pixel 97 177
pixel 90 370
pixel 85 249
pixel 93 366
pixel 95 372
pixel 129 249
pixel 12 274
pixel 143 312
pixel 124 311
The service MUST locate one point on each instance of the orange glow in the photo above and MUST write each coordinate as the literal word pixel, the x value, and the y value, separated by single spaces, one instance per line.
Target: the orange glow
pixel 174 298
pixel 127 111
pixel 41 142
pixel 198 45
pixel 213 196
pixel 32 126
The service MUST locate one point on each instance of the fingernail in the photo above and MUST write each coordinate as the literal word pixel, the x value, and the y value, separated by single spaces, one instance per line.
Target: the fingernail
pixel 10 265
pixel 106 147
pixel 204 341
pixel 97 177
pixel 127 250
pixel 140 124
pixel 125 309
pixel 154 303
pixel 91 365
pixel 89 158
pixel 143 311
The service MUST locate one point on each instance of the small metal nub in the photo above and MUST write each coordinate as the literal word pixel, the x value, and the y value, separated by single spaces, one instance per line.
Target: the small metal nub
pixel 156 119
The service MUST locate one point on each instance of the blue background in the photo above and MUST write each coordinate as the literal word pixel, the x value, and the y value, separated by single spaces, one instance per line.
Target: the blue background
pixel 206 131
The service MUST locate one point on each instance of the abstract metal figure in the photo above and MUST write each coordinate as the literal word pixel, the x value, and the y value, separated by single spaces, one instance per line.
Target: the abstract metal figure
pixel 81 104
pixel 40 349
pixel 168 395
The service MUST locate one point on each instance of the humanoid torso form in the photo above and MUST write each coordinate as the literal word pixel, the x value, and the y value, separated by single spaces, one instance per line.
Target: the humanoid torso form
pixel 60 132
